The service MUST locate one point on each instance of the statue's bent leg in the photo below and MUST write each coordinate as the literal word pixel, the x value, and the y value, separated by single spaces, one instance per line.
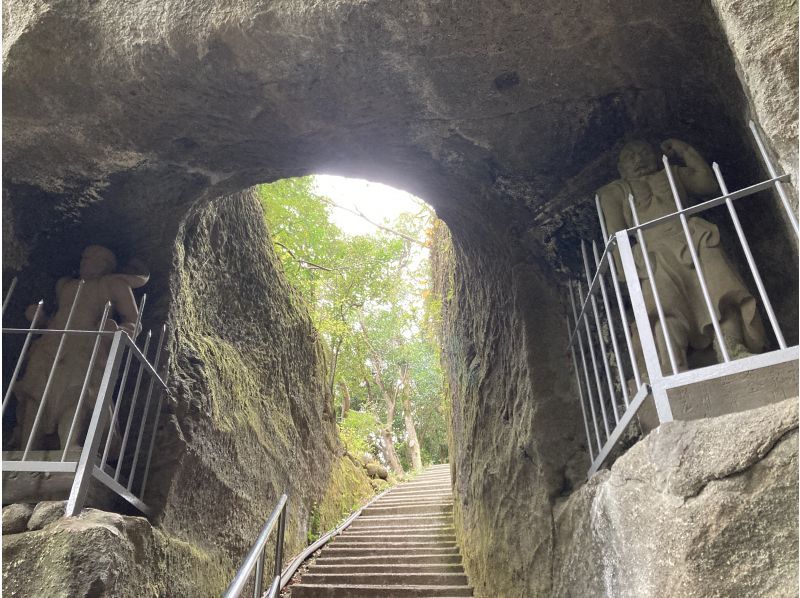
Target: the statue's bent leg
pixel 679 341
pixel 732 333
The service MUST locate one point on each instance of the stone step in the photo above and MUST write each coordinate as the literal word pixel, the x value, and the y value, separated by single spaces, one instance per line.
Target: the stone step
pixel 407 510
pixel 416 495
pixel 387 568
pixel 404 500
pixel 357 538
pixel 389 521
pixel 374 591
pixel 425 484
pixel 394 543
pixel 333 551
pixel 386 579
pixel 398 530
pixel 421 558
pixel 413 493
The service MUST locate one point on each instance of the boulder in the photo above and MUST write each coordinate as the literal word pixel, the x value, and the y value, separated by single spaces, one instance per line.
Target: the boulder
pixel 376 470
pixel 15 518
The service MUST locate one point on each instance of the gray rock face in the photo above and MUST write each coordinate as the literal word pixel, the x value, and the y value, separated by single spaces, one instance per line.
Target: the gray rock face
pixel 254 414
pixel 105 554
pixel 701 508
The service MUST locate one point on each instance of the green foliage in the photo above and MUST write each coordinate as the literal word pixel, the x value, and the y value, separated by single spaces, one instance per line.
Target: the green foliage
pixel 359 430
pixel 369 296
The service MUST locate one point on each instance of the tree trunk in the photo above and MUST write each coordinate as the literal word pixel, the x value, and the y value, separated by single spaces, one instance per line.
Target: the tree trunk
pixel 412 446
pixel 388 442
pixel 345 398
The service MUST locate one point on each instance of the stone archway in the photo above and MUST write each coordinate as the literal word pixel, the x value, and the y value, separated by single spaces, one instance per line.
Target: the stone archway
pixel 128 121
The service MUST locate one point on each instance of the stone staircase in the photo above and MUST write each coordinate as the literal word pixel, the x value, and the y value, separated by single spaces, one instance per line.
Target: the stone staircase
pixel 403 545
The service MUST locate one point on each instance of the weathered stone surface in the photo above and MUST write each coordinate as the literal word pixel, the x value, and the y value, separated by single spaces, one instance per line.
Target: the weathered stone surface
pixel 255 416
pixel 15 518
pixel 698 508
pixel 105 554
pixel 376 470
pixel 762 35
pixel 45 513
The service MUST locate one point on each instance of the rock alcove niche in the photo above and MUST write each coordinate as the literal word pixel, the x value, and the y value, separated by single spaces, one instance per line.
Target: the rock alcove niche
pixel 142 127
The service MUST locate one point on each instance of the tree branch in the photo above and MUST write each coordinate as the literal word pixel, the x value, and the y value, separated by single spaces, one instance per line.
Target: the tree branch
pixel 301 260
pixel 360 214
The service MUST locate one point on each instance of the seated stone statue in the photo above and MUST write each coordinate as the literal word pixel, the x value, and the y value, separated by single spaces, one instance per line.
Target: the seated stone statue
pixel 101 285
pixel 687 318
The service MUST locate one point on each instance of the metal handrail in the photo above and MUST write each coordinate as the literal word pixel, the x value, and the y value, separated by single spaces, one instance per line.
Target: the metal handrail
pixel 255 557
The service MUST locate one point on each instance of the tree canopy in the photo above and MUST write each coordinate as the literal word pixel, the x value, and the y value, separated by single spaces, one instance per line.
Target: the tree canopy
pixel 368 297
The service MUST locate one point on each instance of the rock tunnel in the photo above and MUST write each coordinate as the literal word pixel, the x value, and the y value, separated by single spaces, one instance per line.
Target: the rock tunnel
pixel 142 125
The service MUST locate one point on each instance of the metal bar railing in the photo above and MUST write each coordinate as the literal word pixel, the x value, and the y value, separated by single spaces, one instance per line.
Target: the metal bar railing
pixel 778 181
pixel 619 251
pixel 256 556
pixel 599 328
pixel 773 320
pixel 698 267
pixel 86 380
pixel 612 330
pixel 37 420
pixel 100 377
pixel 652 280
pixel 22 353
pixel 610 246
pixel 590 394
pixel 595 368
pixel 580 395
pixel 11 288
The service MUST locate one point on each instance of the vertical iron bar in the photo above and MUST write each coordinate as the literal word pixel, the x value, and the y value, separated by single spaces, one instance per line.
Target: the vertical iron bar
pixel 618 292
pixel 279 543
pixel 649 268
pixel 146 408
pixel 49 382
pixel 150 449
pixel 597 322
pixel 612 330
pixel 153 437
pixel 11 288
pixel 22 353
pixel 86 379
pixel 698 268
pixel 585 368
pixel 750 260
pixel 648 343
pixel 580 392
pixel 132 407
pixel 84 471
pixel 258 582
pixel 773 174
pixel 123 381
pixel 594 359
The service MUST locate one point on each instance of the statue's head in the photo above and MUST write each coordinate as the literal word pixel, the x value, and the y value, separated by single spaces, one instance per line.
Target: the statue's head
pixel 97 261
pixel 637 159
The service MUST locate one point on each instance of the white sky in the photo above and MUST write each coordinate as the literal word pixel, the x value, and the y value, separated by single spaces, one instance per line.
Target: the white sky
pixel 379 202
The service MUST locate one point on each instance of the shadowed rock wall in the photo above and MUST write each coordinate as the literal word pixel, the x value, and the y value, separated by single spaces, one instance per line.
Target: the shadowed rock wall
pixel 504 116
pixel 698 508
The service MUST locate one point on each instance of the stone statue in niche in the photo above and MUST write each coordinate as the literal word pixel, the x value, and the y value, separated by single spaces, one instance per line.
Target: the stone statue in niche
pixel 686 316
pixel 102 284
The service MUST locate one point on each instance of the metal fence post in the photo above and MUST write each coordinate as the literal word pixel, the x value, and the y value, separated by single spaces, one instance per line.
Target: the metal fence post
pixel 83 473
pixel 646 338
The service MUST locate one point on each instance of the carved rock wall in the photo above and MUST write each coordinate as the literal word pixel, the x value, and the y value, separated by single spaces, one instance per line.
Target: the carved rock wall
pixel 120 117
